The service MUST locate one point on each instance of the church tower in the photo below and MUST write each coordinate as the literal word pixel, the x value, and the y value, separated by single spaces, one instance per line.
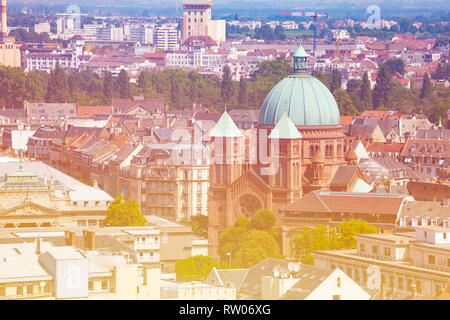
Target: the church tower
pixel 227 162
pixel 285 157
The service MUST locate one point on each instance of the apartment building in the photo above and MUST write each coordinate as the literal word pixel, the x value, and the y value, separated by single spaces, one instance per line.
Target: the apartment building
pixel 165 38
pixel 169 188
pixel 409 263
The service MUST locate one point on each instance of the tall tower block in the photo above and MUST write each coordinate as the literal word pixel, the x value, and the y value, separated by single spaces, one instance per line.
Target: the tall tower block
pixel 9 49
pixel 4 21
pixel 196 18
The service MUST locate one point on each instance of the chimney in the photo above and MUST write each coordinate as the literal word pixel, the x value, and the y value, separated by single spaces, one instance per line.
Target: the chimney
pixel 4 21
pixel 38 245
pixel 89 240
pixel 70 238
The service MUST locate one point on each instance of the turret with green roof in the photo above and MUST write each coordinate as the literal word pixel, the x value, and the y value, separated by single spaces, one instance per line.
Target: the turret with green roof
pixel 225 128
pixel 285 129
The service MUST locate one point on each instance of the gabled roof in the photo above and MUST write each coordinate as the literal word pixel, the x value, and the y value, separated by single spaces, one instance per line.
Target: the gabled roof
pixel 310 277
pixel 344 175
pixel 225 128
pixel 251 285
pixel 228 276
pixel 324 201
pixel 285 129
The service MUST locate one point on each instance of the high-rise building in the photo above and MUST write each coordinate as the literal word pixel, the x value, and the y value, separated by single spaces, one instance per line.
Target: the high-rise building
pixel 197 21
pixel 43 27
pixel 166 38
pixel 196 18
pixel 9 49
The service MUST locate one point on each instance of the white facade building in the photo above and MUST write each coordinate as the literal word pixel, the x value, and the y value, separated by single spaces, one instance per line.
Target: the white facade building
pixel 166 38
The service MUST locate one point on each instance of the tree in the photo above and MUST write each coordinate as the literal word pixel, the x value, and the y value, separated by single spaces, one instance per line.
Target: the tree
pixel 349 229
pixel 344 103
pixel 199 224
pixel 262 220
pixel 383 87
pixel 250 241
pixel 309 240
pixel 107 86
pixel 226 87
pixel 365 94
pixel 279 33
pixel 58 86
pixel 197 267
pixel 427 87
pixel 242 98
pixel 353 85
pixel 193 86
pixel 123 213
pixel 396 65
pixel 257 246
pixel 336 80
pixel 123 85
pixel 304 245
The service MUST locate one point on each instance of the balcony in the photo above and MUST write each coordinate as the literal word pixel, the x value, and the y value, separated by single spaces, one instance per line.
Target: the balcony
pixel 146 245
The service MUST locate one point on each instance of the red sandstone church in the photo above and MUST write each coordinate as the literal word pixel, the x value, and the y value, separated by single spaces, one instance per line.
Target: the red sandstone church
pixel 298 148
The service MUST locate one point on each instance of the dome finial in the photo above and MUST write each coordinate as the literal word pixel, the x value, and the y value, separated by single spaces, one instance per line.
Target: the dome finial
pixel 300 57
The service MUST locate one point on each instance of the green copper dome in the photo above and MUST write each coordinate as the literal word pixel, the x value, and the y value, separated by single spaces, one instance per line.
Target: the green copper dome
pixel 305 99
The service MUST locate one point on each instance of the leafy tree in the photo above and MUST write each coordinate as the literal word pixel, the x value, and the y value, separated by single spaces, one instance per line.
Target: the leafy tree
pixel 304 245
pixel 58 86
pixel 309 240
pixel 250 241
pixel 365 94
pixel 279 33
pixel 325 78
pixel 226 87
pixel 349 229
pixel 108 85
pixel 123 213
pixel 396 65
pixel 242 98
pixel 344 103
pixel 230 240
pixel 257 246
pixel 262 220
pixel 123 85
pixel 194 268
pixel 383 87
pixel 336 80
pixel 12 85
pixel 353 85
pixel 199 224
pixel 427 87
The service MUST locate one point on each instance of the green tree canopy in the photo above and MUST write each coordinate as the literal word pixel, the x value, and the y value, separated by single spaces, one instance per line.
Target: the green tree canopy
pixel 309 239
pixel 226 88
pixel 336 80
pixel 250 241
pixel 396 65
pixel 123 85
pixel 195 268
pixel 58 86
pixel 344 103
pixel 427 87
pixel 123 213
pixel 383 87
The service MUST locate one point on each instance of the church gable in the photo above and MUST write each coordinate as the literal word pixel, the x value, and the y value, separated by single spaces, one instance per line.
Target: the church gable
pixel 250 193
